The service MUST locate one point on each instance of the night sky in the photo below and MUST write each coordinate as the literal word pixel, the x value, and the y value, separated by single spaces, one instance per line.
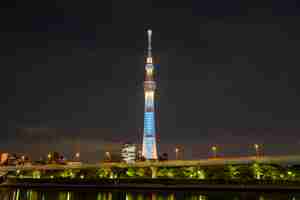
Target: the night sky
pixel 72 75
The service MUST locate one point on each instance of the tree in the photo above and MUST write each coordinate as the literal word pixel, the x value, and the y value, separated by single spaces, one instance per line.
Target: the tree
pixel 293 172
pixel 52 174
pixel 104 172
pixel 68 173
pixel 141 172
pixel 257 171
pixel 193 172
pixel 36 174
pixel 216 172
pixel 131 172
pixel 245 172
pixel 232 172
pixel 167 172
pixel 162 172
pixel 271 172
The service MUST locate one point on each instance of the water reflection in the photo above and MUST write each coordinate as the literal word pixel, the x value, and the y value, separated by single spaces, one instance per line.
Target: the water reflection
pixel 42 194
pixel 104 196
pixel 198 197
pixel 261 198
pixel 63 196
pixel 144 196
pixel 279 196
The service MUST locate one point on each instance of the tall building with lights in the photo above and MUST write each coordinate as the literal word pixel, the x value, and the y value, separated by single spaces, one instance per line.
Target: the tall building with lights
pixel 149 138
pixel 129 153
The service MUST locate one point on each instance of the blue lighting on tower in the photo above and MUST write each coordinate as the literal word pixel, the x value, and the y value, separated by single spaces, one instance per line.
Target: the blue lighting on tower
pixel 149 134
pixel 149 127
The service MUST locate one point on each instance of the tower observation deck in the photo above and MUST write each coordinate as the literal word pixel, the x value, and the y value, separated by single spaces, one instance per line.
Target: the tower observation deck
pixel 149 151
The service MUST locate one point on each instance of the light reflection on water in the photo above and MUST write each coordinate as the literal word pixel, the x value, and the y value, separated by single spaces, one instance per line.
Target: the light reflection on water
pixel 40 194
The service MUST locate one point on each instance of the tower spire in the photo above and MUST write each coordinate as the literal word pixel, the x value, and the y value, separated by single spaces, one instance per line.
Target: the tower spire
pixel 149 43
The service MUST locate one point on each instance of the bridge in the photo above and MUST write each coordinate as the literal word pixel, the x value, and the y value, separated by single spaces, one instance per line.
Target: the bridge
pixel 279 160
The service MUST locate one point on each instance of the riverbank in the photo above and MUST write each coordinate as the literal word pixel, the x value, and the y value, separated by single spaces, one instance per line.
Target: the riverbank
pixel 151 185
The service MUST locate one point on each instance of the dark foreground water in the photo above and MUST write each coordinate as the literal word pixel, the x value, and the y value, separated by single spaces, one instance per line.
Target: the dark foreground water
pixel 60 194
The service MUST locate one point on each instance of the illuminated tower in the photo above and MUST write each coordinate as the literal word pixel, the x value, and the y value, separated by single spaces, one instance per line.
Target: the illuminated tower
pixel 149 139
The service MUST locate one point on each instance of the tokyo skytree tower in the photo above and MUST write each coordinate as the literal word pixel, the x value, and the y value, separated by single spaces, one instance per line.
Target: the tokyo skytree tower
pixel 149 151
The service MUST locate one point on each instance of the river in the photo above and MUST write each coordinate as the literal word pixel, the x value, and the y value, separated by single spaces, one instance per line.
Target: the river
pixel 65 194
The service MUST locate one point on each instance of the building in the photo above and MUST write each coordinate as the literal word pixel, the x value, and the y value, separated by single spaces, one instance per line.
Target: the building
pixel 129 153
pixel 179 152
pixel 12 159
pixel 149 150
pixel 3 158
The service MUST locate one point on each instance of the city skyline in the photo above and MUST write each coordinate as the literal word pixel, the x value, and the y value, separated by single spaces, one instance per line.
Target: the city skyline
pixel 228 76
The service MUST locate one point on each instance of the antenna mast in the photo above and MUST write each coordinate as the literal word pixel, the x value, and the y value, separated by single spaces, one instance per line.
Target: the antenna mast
pixel 149 43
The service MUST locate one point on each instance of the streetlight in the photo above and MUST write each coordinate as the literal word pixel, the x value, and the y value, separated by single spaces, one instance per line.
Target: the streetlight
pixel 77 155
pixel 176 152
pixel 214 150
pixel 23 159
pixel 108 156
pixel 49 156
pixel 256 147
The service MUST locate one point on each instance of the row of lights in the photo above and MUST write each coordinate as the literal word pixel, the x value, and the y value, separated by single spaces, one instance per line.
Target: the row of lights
pixel 77 156
pixel 257 148
pixel 214 149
